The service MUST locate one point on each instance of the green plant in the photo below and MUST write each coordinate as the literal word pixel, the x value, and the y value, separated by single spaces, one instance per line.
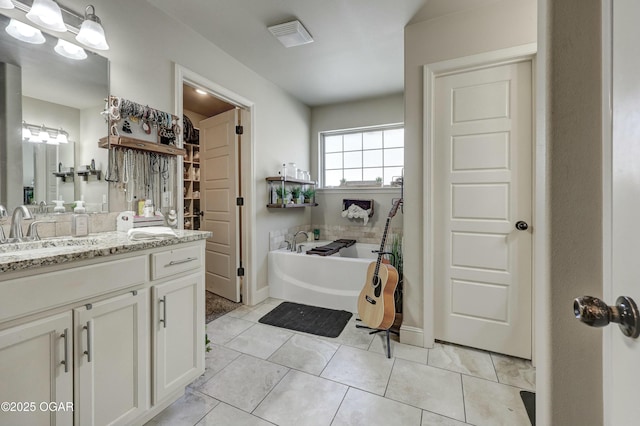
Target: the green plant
pixel 397 262
pixel 295 192
pixel 378 180
pixel 207 346
pixel 343 181
pixel 282 192
pixel 308 194
pixel 396 254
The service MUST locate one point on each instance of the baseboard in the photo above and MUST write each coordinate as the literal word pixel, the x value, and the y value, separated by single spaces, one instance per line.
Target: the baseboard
pixel 411 336
pixel 260 295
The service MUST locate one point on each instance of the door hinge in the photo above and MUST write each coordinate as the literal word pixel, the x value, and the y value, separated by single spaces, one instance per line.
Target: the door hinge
pixel 241 271
pixel 239 130
pixel 240 201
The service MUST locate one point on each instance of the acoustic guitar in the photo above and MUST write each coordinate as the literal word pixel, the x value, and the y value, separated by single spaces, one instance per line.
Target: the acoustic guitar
pixel 376 305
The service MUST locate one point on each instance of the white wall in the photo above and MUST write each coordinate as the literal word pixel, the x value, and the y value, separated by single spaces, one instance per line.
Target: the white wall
pixel 92 127
pixel 348 115
pixel 570 367
pixel 500 25
pixel 144 46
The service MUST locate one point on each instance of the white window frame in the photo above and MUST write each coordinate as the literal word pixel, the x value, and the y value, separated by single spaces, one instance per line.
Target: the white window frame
pixel 321 156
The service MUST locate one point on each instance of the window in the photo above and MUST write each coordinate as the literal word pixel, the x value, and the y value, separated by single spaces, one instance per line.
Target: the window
pixel 362 155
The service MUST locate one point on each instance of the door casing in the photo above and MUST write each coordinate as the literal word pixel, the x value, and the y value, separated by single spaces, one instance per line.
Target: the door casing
pixel 248 187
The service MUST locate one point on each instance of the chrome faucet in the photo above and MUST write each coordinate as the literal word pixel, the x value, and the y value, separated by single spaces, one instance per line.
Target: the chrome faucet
pixel 293 241
pixel 32 233
pixel 3 215
pixel 20 212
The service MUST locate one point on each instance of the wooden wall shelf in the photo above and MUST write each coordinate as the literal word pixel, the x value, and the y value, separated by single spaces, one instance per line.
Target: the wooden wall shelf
pixel 141 145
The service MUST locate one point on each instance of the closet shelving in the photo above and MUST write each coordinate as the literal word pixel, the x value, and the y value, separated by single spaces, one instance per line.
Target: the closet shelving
pixel 192 192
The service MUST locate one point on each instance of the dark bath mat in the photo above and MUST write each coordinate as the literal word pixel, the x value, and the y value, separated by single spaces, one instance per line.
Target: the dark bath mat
pixel 529 399
pixel 308 319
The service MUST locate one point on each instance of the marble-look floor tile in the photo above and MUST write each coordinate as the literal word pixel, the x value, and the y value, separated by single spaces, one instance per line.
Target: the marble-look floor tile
pixel 224 414
pixel 359 368
pixel 302 399
pixel 353 336
pixel 488 403
pixel 305 353
pixel 240 311
pixel 186 411
pixel 515 371
pixel 399 350
pixel 433 419
pixel 361 408
pixel 429 388
pixel 260 340
pixel 245 382
pixel 223 329
pixel 215 360
pixel 469 361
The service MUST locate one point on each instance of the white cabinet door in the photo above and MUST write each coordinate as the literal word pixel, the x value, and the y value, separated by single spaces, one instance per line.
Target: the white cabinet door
pixel 178 318
pixel 112 359
pixel 36 370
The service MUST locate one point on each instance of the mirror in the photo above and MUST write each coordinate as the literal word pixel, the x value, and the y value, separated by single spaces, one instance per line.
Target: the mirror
pixel 42 87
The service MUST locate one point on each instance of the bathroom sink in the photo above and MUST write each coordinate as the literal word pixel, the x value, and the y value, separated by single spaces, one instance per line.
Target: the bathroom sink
pixel 48 244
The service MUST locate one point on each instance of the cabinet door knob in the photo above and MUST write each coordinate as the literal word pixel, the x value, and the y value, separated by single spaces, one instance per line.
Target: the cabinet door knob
pixel 595 313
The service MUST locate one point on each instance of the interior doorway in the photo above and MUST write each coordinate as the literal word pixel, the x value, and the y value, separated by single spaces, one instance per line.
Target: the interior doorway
pixel 218 145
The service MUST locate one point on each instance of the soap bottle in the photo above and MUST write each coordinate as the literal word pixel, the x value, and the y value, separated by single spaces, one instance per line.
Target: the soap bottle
pixel 79 221
pixel 59 208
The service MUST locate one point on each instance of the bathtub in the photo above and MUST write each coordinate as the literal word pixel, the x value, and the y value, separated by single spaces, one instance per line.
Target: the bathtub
pixel 328 281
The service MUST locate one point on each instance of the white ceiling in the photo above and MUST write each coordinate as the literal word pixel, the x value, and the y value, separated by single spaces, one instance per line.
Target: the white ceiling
pixel 358 49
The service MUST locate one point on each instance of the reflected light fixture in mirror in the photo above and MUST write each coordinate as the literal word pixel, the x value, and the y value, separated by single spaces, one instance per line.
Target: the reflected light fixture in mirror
pixel 24 32
pixel 91 32
pixel 38 134
pixel 70 50
pixel 47 14
pixel 6 4
pixel 26 133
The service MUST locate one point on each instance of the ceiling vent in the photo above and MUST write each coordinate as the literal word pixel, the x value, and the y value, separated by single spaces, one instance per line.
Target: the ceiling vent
pixel 291 34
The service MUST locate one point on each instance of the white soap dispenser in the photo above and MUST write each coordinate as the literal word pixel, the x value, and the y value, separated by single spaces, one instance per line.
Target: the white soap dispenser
pixel 80 220
pixel 59 208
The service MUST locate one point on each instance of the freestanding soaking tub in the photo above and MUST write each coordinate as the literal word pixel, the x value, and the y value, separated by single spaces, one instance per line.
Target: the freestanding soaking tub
pixel 328 281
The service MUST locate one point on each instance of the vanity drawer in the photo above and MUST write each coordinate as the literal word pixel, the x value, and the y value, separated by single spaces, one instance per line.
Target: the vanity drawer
pixel 171 262
pixel 36 293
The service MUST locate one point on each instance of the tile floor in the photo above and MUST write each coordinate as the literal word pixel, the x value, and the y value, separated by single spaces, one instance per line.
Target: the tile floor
pixel 262 375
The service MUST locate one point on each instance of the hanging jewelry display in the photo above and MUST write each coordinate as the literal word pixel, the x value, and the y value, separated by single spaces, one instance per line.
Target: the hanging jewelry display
pixel 142 155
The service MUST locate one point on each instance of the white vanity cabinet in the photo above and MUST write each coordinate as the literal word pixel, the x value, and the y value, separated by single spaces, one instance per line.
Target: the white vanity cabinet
pixel 178 320
pixel 178 323
pixel 36 366
pixel 112 359
pixel 115 339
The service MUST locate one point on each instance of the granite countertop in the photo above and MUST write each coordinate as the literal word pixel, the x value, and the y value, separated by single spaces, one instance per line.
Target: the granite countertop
pixel 55 251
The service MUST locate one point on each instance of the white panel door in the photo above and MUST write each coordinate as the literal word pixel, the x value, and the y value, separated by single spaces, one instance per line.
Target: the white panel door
pixel 219 157
pixel 621 376
pixel 112 360
pixel 482 175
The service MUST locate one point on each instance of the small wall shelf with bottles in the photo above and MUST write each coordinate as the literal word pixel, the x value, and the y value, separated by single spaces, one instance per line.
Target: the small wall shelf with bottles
pixel 192 212
pixel 286 193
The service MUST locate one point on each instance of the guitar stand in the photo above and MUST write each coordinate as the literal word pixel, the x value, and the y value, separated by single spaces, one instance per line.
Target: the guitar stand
pixel 378 330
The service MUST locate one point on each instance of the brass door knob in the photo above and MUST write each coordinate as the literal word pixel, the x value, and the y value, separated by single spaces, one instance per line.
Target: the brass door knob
pixel 595 313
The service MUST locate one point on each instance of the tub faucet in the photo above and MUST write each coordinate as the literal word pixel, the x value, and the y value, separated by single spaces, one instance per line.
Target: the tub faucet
pixel 20 212
pixel 293 242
